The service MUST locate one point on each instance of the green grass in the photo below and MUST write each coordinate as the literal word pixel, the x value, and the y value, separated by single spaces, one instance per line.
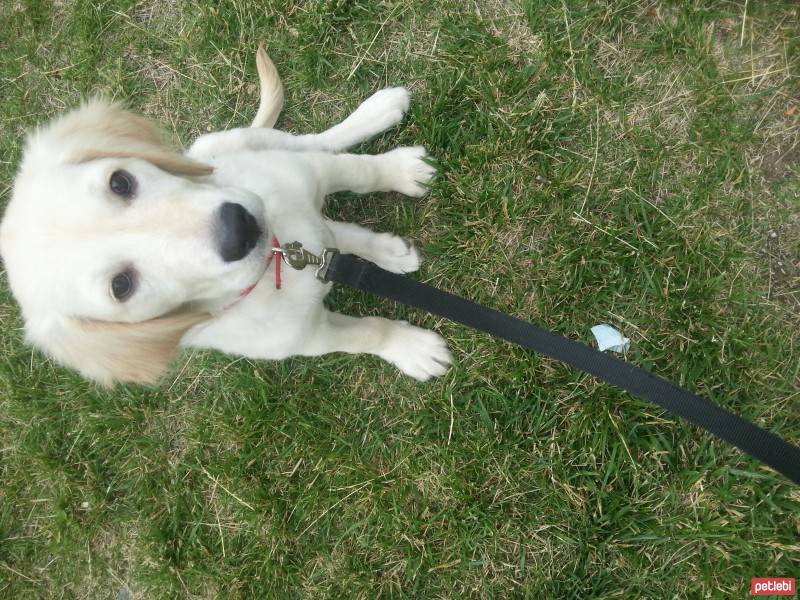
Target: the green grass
pixel 625 162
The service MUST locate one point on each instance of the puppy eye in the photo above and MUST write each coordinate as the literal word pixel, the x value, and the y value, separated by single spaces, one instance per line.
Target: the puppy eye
pixel 122 285
pixel 122 183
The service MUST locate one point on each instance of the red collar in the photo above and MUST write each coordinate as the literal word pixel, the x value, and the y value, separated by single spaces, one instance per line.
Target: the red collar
pixel 273 252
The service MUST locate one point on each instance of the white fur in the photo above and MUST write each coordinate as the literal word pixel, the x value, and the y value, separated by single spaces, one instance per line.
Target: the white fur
pixel 64 236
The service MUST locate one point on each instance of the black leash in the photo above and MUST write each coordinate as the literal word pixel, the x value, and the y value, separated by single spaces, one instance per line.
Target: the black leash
pixel 360 274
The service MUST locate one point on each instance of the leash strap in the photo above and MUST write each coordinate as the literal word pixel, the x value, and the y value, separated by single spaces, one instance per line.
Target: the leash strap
pixel 767 447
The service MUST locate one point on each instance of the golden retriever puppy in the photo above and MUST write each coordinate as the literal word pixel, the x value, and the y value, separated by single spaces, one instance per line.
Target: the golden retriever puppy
pixel 121 250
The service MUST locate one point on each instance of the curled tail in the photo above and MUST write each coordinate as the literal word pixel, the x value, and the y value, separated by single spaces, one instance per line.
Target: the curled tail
pixel 271 102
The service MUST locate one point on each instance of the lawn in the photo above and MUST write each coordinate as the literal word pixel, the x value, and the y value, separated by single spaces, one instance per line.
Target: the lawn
pixel 631 162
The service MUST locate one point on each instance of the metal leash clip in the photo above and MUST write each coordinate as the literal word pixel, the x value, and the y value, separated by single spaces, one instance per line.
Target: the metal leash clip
pixel 299 258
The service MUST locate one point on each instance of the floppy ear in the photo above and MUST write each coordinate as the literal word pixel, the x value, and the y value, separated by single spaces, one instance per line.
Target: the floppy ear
pixel 110 352
pixel 100 129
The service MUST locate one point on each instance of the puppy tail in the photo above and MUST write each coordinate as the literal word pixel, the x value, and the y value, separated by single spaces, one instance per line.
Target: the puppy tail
pixel 271 102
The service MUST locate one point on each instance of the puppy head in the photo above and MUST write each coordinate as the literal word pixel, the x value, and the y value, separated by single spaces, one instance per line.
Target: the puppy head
pixel 116 245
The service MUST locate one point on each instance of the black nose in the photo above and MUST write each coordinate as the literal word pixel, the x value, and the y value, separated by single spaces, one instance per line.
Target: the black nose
pixel 237 232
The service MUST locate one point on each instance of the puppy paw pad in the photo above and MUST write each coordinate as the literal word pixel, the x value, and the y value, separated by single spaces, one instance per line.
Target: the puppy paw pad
pixel 411 174
pixel 417 352
pixel 395 254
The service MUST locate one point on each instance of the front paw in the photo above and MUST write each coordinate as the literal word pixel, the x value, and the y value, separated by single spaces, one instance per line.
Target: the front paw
pixel 409 173
pixel 395 254
pixel 417 352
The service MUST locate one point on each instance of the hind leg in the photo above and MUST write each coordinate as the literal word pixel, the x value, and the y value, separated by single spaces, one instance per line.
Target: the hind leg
pixel 403 170
pixel 379 112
